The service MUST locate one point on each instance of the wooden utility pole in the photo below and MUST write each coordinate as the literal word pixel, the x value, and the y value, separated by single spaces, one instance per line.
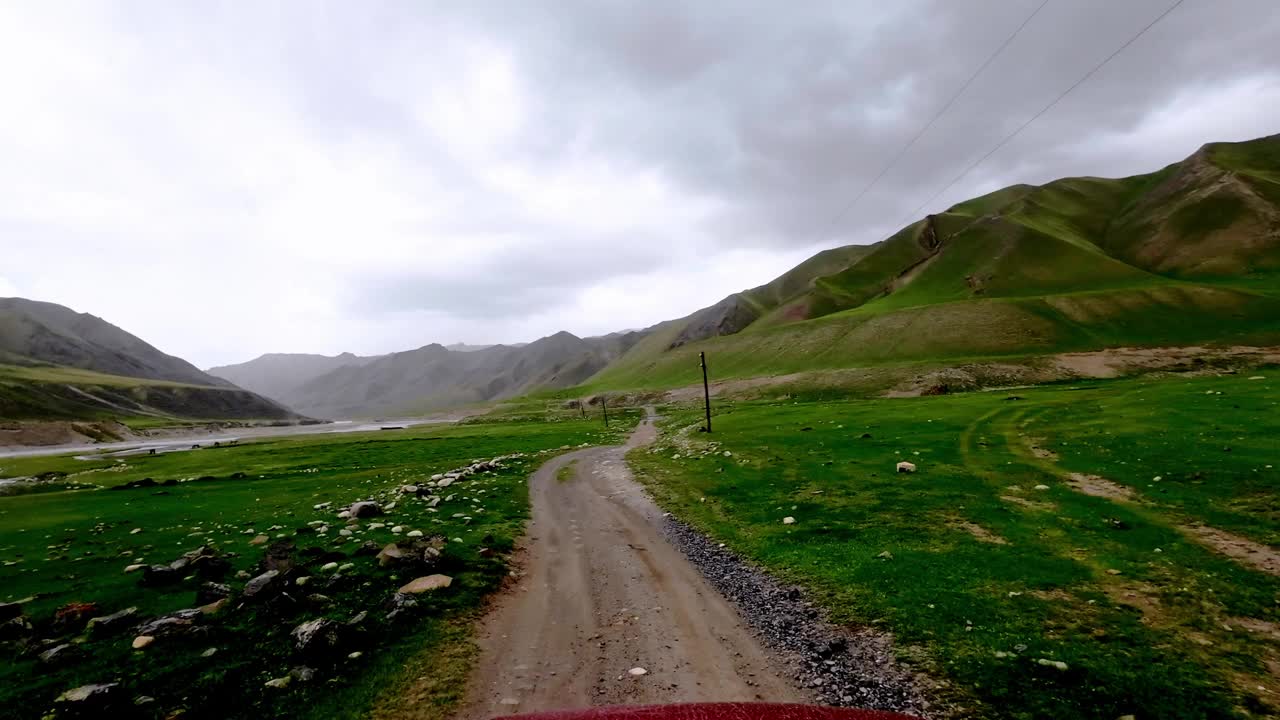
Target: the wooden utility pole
pixel 604 407
pixel 583 407
pixel 706 389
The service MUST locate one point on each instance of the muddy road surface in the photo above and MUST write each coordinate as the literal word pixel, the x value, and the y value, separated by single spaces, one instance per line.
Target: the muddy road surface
pixel 601 597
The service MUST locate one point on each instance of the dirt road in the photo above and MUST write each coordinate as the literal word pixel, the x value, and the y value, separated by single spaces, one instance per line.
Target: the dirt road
pixel 602 593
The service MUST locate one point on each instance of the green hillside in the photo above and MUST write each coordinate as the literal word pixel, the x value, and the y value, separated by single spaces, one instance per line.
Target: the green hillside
pixel 48 392
pixel 1189 254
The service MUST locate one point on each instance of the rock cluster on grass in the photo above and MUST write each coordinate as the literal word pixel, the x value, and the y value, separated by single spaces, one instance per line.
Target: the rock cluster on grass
pixel 301 587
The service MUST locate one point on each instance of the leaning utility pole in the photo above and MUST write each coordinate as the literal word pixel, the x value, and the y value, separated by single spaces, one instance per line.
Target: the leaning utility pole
pixel 604 407
pixel 706 389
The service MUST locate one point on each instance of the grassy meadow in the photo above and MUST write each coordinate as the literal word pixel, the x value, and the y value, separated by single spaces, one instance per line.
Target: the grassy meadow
pixel 1093 549
pixel 63 546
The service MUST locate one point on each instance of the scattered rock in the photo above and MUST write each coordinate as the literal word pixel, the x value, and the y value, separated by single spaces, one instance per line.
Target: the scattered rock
pixel 214 607
pixel 260 540
pixel 279 683
pixel 59 654
pixel 788 520
pixel 906 467
pixel 1042 488
pixel 1056 664
pixel 389 555
pixel 279 556
pixel 181 622
pixel 159 576
pixel 316 637
pixel 414 534
pixel 259 584
pixel 637 672
pixel 302 673
pixel 205 562
pixel 365 509
pixel 113 623
pixel 143 641
pixel 886 555
pixel 133 568
pixel 209 592
pixel 90 699
pixel 8 611
pixel 426 584
pixel 329 567
pixel 16 630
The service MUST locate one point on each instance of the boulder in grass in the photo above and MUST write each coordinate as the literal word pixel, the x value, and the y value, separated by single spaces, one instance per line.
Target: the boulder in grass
pixel 212 592
pixel 390 555
pixel 16 630
pixel 279 556
pixel 182 622
pixel 90 700
pixel 60 654
pixel 366 509
pixel 906 467
pixel 111 624
pixel 159 576
pixel 10 610
pixel 259 585
pixel 318 637
pixel 426 583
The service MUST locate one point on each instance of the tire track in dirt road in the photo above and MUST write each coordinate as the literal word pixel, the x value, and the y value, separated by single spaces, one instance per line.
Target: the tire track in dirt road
pixel 602 592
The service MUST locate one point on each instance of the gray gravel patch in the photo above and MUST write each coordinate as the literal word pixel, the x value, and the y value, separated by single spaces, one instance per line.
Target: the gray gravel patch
pixel 840 667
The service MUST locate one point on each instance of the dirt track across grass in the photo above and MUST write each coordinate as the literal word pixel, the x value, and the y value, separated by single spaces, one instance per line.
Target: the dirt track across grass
pixel 601 596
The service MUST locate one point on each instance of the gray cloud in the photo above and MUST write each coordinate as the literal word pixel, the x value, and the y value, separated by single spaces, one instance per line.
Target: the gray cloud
pixel 500 167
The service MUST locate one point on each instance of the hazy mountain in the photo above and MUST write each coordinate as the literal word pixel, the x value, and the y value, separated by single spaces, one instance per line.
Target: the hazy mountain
pixel 434 376
pixel 55 362
pixel 44 332
pixel 1185 255
pixel 278 375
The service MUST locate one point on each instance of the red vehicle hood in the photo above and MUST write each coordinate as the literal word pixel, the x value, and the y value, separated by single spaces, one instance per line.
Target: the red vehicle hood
pixel 716 711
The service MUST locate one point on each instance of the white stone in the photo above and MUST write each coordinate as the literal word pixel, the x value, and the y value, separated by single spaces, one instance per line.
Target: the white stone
pixel 906 467
pixel 788 520
pixel 328 567
pixel 637 672
pixel 414 533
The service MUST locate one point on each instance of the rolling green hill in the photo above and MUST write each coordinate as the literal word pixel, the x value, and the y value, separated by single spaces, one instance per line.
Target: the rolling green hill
pixel 1189 254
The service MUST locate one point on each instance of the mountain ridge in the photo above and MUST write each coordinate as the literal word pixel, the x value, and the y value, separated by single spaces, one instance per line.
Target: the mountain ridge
pixel 59 363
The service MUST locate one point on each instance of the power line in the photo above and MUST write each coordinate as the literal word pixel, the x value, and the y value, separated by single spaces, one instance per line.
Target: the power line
pixel 1043 110
pixel 894 162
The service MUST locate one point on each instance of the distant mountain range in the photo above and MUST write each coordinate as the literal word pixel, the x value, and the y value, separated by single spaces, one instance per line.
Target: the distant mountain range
pixel 428 378
pixel 58 363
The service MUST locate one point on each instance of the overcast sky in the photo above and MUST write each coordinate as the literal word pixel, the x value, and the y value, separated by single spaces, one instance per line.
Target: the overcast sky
pixel 226 179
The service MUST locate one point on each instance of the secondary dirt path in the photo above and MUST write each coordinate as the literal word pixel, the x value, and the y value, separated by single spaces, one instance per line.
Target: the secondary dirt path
pixel 602 593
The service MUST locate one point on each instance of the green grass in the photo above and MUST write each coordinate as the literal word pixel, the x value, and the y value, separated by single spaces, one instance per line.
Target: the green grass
pixel 77 376
pixel 60 547
pixel 1148 621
